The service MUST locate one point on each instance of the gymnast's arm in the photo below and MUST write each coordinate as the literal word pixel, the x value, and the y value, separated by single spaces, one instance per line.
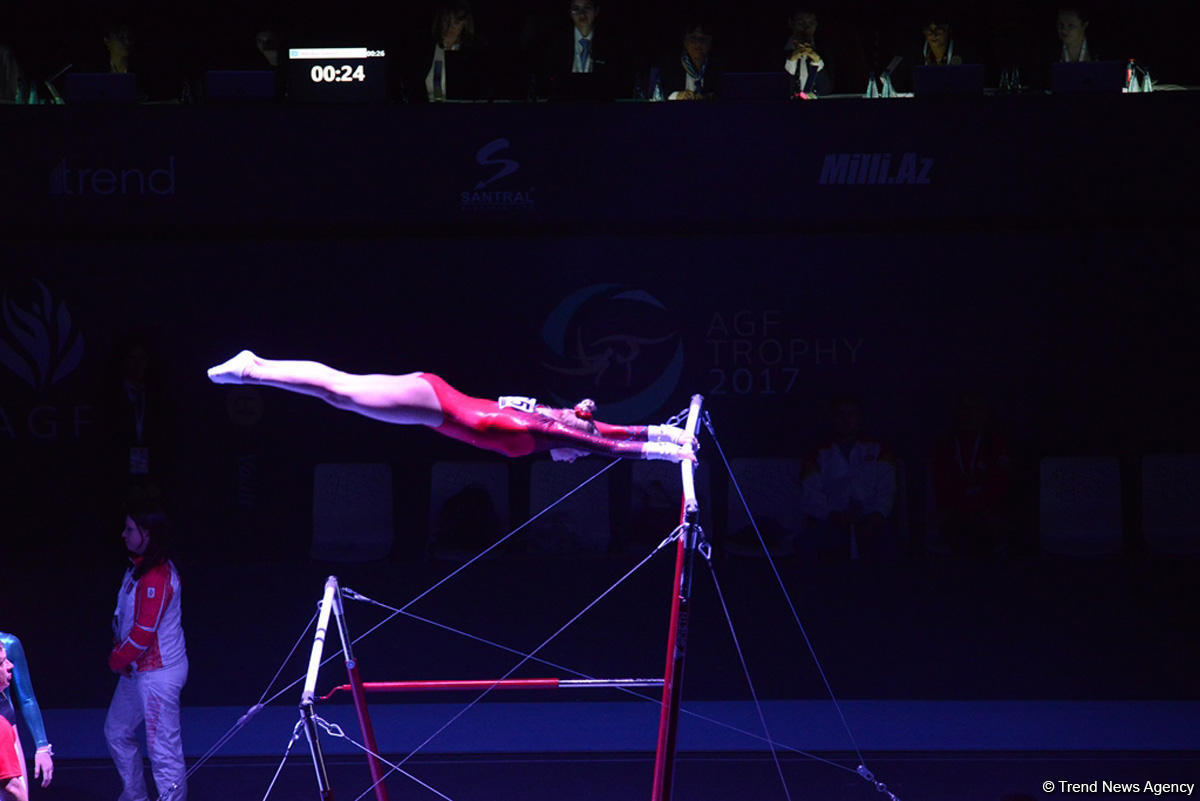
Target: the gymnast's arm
pixel 23 685
pixel 555 435
pixel 585 409
pixel 43 761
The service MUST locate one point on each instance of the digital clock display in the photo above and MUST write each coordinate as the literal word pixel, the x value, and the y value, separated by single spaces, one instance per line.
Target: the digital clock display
pixel 337 74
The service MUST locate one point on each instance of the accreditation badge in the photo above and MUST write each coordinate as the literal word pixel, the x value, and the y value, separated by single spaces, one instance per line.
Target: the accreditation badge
pixel 139 461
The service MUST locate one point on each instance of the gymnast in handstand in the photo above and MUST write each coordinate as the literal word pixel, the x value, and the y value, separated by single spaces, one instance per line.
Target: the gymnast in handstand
pixel 513 426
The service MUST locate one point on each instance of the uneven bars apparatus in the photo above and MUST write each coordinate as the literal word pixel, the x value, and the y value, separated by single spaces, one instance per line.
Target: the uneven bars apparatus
pixel 331 602
pixel 672 681
pixel 677 632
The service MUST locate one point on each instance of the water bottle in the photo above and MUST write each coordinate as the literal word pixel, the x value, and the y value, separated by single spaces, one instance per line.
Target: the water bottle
pixel 872 88
pixel 887 90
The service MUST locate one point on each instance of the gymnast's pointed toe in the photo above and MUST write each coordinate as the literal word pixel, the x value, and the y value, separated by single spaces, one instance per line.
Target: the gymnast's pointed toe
pixel 232 371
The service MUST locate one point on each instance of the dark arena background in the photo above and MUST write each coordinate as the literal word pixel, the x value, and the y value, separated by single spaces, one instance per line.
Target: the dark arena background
pixel 1033 251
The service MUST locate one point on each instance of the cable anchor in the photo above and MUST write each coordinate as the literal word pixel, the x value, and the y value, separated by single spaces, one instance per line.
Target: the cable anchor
pixel 880 787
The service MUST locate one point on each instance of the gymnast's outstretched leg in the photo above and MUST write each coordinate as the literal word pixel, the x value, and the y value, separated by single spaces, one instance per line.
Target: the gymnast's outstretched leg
pixel 403 399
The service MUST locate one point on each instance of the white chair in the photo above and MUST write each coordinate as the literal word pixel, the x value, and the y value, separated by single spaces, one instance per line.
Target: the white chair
pixel 1170 498
pixel 468 507
pixel 352 512
pixel 580 524
pixel 771 488
pixel 1080 506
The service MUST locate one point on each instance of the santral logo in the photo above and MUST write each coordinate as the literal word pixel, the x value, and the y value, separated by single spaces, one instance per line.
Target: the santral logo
pixel 482 197
pixel 616 344
pixel 68 179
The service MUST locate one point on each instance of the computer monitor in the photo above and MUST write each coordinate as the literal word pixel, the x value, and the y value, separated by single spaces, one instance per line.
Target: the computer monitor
pixel 956 79
pixel 336 75
pixel 756 86
pixel 240 85
pixel 100 87
pixel 1087 76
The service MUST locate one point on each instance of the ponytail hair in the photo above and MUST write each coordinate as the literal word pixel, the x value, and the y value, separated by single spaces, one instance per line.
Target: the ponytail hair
pixel 158 531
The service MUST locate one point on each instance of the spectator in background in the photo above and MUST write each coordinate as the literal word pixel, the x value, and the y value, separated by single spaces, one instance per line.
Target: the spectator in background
pixel 22 682
pixel 940 48
pixel 581 64
pixel 159 70
pixel 811 74
pixel 12 80
pixel 848 490
pixel 1072 33
pixel 138 416
pixel 970 469
pixel 119 42
pixel 693 74
pixel 266 41
pixel 450 67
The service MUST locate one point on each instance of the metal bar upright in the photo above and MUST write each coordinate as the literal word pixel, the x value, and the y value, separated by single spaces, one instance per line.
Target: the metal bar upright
pixel 677 631
pixel 310 685
pixel 360 701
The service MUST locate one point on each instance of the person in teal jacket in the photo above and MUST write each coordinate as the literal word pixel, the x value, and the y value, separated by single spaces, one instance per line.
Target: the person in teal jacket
pixel 22 686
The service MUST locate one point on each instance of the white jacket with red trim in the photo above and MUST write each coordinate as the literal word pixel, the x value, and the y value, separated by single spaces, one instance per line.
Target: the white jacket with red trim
pixel 836 478
pixel 147 623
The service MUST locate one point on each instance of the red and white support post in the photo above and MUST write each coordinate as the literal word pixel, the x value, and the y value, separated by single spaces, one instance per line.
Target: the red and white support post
pixel 677 633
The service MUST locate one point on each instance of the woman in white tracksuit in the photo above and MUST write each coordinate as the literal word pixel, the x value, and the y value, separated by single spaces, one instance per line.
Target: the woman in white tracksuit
pixel 150 657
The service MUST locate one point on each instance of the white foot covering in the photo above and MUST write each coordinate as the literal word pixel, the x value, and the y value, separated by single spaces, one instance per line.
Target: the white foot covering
pixel 232 371
pixel 668 451
pixel 669 434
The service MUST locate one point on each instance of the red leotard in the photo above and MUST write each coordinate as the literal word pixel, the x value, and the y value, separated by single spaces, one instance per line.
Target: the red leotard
pixel 513 432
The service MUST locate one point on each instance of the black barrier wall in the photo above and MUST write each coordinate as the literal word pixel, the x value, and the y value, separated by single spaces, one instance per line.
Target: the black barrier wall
pixel 1033 160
